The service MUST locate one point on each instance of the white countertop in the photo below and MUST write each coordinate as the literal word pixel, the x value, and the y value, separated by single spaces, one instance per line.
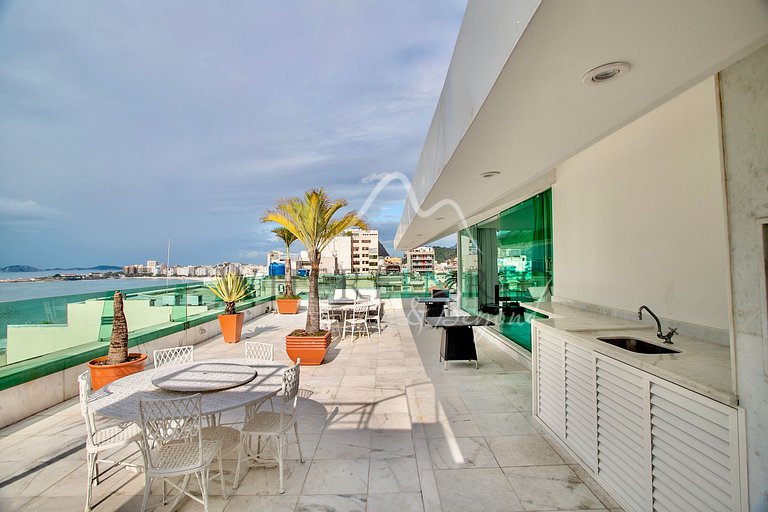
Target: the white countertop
pixel 701 366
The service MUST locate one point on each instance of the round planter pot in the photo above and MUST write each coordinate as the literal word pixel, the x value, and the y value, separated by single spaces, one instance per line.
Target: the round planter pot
pixel 101 375
pixel 288 306
pixel 310 349
pixel 231 327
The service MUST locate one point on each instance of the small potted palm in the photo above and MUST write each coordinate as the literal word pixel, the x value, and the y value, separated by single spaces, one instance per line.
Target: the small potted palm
pixel 231 289
pixel 118 362
pixel 311 220
pixel 288 303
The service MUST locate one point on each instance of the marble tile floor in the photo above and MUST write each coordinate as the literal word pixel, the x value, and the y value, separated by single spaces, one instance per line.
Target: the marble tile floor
pixel 382 427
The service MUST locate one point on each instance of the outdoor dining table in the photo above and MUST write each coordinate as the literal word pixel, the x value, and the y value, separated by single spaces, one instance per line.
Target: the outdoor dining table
pixel 458 340
pixel 225 384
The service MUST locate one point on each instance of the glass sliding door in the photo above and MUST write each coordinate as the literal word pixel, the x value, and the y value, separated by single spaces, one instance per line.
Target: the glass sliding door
pixel 468 270
pixel 507 259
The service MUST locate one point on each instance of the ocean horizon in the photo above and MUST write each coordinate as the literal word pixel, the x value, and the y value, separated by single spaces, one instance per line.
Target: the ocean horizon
pixel 42 289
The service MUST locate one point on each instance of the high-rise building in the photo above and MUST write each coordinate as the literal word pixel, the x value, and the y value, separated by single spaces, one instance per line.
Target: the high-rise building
pixel 421 259
pixel 365 250
pixel 357 251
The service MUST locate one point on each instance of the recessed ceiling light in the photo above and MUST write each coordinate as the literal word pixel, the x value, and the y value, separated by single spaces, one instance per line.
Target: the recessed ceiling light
pixel 606 73
pixel 489 174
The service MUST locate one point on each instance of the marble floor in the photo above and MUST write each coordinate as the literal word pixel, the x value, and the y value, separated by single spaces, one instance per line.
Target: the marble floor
pixel 382 427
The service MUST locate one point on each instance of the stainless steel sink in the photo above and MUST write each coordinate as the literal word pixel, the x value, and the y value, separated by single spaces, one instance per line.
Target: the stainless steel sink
pixel 635 345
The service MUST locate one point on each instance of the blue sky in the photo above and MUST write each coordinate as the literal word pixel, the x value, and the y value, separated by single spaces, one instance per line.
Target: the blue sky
pixel 122 123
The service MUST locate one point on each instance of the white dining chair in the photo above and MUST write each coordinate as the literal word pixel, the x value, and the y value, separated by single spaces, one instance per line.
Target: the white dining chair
pixel 376 313
pixel 173 356
pixel 271 429
pixel 173 446
pixel 256 350
pixel 261 351
pixel 357 317
pixel 327 320
pixel 99 440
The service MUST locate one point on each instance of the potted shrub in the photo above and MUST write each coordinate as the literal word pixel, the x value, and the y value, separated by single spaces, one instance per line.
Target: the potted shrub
pixel 231 288
pixel 310 219
pixel 118 362
pixel 287 303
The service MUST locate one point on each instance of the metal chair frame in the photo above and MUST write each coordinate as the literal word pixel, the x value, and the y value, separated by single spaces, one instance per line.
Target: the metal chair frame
pixel 173 445
pixel 272 426
pixel 105 439
pixel 257 350
pixel 359 317
pixel 173 356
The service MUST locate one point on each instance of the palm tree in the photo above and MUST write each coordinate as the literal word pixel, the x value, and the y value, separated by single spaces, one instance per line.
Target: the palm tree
pixel 288 238
pixel 310 218
pixel 118 341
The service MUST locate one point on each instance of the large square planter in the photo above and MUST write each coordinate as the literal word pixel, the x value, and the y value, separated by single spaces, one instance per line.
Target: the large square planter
pixel 288 306
pixel 310 349
pixel 231 327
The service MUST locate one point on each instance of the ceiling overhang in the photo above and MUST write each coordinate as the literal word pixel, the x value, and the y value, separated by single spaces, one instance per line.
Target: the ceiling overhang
pixel 537 112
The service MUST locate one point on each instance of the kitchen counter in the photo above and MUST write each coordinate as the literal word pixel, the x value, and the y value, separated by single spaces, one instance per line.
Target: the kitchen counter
pixel 701 366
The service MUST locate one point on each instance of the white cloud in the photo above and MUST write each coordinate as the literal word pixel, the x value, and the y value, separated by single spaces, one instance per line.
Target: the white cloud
pixel 24 210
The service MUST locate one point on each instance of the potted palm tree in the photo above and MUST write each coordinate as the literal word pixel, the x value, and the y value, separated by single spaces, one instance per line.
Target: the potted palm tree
pixel 311 219
pixel 287 303
pixel 231 288
pixel 118 362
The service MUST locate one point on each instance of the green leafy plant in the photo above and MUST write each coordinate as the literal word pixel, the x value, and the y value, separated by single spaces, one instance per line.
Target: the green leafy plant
pixel 288 238
pixel 451 279
pixel 310 219
pixel 231 288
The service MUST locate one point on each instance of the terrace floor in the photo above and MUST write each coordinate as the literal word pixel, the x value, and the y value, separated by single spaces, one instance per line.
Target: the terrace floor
pixel 383 427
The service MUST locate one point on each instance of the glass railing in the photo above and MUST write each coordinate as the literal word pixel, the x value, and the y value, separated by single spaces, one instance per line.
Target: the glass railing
pixel 37 327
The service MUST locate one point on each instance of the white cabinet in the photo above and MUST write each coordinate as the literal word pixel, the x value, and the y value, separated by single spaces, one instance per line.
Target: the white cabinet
pixel 653 444
pixel 550 382
pixel 580 406
pixel 623 455
pixel 695 452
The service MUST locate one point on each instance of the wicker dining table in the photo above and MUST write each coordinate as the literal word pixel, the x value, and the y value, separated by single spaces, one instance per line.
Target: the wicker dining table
pixel 225 384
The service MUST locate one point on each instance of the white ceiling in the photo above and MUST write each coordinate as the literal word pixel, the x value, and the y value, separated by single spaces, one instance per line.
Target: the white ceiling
pixel 538 112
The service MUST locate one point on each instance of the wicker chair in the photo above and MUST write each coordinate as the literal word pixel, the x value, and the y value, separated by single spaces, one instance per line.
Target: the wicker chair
pixel 272 426
pixel 99 440
pixel 174 446
pixel 173 356
pixel 256 350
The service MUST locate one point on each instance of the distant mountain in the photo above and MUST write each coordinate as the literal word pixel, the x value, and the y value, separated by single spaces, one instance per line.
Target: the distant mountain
pixel 444 253
pixel 19 268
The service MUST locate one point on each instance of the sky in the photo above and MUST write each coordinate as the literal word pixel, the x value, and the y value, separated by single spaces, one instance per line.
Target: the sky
pixel 124 123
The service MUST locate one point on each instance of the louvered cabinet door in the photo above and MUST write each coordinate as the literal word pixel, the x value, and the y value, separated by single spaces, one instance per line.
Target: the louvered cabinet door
pixel 580 411
pixel 623 442
pixel 550 382
pixel 695 455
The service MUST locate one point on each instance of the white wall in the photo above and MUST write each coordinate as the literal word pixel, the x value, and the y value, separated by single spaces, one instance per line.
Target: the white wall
pixel 639 217
pixel 744 92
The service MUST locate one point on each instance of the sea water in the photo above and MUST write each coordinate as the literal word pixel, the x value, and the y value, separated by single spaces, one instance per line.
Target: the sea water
pixel 41 289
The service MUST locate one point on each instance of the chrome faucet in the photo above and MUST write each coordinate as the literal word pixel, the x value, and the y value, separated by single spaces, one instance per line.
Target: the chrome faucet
pixel 666 337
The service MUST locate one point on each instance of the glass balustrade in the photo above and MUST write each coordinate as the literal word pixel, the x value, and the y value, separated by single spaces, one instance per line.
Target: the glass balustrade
pixel 37 327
